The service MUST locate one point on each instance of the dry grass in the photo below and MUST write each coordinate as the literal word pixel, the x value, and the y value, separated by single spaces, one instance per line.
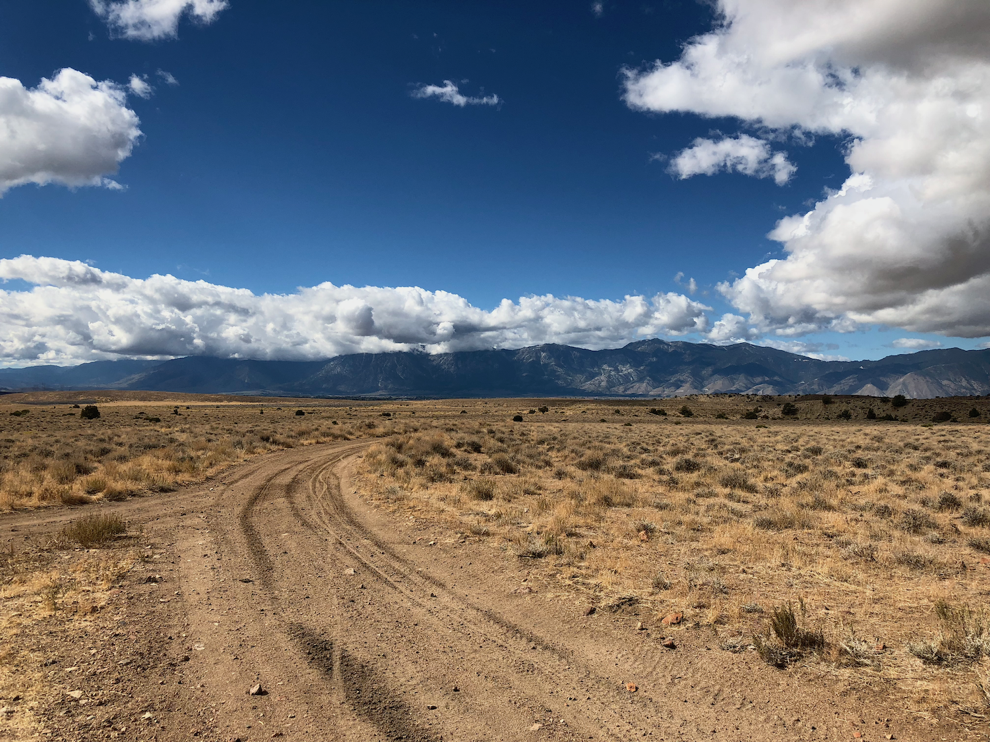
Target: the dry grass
pixel 730 515
pixel 90 531
pixel 867 525
pixel 45 594
pixel 51 456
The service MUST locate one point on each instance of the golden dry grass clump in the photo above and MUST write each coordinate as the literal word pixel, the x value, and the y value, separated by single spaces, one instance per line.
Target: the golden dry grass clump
pixel 50 455
pixel 872 535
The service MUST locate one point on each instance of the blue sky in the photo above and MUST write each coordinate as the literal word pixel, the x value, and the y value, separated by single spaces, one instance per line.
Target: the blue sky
pixel 284 147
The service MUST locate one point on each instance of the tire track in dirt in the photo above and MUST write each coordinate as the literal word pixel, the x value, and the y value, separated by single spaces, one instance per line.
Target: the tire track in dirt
pixel 284 577
pixel 346 679
pixel 527 666
pixel 400 651
pixel 516 648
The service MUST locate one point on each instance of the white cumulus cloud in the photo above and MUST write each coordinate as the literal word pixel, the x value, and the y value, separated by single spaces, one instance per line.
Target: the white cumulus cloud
pixel 916 343
pixel 812 350
pixel 74 312
pixel 731 329
pixel 140 87
pixel 70 129
pixel 691 285
pixel 167 77
pixel 742 154
pixel 448 93
pixel 148 20
pixel 906 83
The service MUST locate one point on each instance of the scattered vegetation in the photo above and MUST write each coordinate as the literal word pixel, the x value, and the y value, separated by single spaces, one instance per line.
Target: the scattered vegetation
pixel 785 534
pixel 737 507
pixel 963 636
pixel 55 455
pixel 91 531
pixel 785 639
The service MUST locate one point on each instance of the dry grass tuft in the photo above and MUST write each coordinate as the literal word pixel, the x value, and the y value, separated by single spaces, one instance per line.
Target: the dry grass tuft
pixel 785 640
pixel 964 636
pixel 91 531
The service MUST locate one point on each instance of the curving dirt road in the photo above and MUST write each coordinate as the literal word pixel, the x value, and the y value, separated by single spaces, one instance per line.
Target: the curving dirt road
pixel 361 626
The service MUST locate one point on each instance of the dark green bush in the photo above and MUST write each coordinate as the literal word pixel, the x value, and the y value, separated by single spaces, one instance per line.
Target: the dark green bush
pixel 90 412
pixel 947 501
pixel 592 461
pixel 916 521
pixel 502 464
pixel 687 465
pixel 980 544
pixel 975 517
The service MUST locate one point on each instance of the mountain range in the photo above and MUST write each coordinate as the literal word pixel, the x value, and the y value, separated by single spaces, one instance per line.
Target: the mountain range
pixel 649 368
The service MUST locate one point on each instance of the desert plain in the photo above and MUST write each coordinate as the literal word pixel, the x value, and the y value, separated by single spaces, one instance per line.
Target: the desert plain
pixel 724 567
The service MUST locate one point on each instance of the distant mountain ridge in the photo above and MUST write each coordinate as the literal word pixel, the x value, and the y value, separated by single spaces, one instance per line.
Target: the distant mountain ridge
pixel 648 368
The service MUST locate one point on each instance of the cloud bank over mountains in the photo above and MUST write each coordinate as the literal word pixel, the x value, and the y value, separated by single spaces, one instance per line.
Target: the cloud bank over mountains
pixel 74 312
pixel 906 83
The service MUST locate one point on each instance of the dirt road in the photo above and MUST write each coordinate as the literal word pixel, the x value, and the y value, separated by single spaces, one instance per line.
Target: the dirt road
pixel 362 626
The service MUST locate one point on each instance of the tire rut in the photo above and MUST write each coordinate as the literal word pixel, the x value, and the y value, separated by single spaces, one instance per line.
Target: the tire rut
pixel 376 645
pixel 538 665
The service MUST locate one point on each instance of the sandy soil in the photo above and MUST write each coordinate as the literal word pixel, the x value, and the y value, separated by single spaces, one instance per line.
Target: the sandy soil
pixel 363 626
